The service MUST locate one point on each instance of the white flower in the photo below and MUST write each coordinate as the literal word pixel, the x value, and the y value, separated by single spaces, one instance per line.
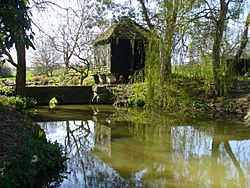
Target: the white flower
pixel 34 159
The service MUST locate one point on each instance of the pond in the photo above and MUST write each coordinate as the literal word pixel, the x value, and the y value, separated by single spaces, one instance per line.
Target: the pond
pixel 122 147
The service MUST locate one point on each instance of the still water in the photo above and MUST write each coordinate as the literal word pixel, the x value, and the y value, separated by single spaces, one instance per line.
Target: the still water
pixel 120 147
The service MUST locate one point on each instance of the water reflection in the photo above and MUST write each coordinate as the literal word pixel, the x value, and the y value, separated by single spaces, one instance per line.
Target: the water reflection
pixel 118 152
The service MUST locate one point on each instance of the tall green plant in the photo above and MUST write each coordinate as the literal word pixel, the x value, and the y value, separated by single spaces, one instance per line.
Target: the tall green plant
pixel 152 70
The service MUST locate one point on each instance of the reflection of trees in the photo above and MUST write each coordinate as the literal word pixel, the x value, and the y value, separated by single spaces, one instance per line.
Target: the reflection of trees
pixel 191 154
pixel 86 169
pixel 235 162
pixel 219 140
pixel 155 149
pixel 103 139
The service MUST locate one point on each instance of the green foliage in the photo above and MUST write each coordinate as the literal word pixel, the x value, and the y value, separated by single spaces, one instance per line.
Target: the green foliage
pixel 15 24
pixel 89 81
pixel 121 93
pixel 198 71
pixel 35 157
pixel 131 95
pixel 199 104
pixel 183 87
pixel 230 106
pixel 29 75
pixel 137 95
pixel 247 75
pixel 152 70
pixel 7 91
pixel 181 93
pixel 18 102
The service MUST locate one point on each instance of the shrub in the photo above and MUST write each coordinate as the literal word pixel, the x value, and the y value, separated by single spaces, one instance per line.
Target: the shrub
pixel 121 93
pixel 137 95
pixel 247 75
pixel 89 81
pixel 7 91
pixel 45 81
pixel 200 105
pixel 37 156
pixel 230 106
pixel 19 103
pixel 37 78
pixel 132 95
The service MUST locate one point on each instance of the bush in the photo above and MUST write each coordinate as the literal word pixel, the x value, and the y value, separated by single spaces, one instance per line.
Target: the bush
pixel 19 103
pixel 37 156
pixel 7 91
pixel 247 75
pixel 230 106
pixel 89 81
pixel 132 95
pixel 199 104
pixel 137 95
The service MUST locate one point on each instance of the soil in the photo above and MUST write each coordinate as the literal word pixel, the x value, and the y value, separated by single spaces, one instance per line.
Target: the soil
pixel 237 103
pixel 15 126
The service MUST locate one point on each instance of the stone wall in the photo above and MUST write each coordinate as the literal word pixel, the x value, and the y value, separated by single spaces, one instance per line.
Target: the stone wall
pixel 64 95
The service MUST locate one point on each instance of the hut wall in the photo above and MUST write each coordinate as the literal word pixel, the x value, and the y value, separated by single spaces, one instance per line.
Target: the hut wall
pixel 102 59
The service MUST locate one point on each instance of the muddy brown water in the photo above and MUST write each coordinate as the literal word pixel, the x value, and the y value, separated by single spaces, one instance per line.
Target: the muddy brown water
pixel 121 147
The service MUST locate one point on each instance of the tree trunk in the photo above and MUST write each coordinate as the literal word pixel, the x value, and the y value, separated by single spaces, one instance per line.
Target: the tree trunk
pixel 170 16
pixel 166 62
pixel 220 26
pixel 166 51
pixel 21 69
pixel 81 80
pixel 66 63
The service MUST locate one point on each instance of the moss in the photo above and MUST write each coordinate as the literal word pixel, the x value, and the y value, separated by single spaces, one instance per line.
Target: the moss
pixel 125 28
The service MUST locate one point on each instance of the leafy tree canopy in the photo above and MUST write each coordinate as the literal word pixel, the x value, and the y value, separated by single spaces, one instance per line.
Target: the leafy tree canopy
pixel 15 23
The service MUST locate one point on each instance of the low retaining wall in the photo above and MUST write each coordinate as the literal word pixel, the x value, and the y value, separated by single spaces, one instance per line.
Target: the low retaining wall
pixel 65 95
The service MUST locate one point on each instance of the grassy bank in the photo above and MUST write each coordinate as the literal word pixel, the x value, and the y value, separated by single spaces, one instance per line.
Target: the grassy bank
pixel 188 95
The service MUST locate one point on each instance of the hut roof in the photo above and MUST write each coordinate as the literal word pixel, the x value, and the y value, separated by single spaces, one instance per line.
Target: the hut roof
pixel 125 28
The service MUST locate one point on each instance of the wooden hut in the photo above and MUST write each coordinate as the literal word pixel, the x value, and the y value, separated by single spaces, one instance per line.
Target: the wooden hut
pixel 119 51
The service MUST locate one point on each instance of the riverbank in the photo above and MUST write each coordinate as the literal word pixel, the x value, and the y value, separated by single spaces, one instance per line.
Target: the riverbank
pixel 191 98
pixel 25 153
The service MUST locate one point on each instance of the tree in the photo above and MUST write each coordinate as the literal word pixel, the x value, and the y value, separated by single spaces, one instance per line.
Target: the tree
pixel 167 23
pixel 74 35
pixel 45 59
pixel 214 17
pixel 216 50
pixel 15 27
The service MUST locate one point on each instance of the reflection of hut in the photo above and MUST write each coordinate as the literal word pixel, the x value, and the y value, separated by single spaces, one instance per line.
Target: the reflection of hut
pixel 120 50
pixel 103 139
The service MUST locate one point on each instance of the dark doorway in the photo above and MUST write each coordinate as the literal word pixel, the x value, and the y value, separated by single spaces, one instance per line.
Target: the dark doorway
pixel 121 57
